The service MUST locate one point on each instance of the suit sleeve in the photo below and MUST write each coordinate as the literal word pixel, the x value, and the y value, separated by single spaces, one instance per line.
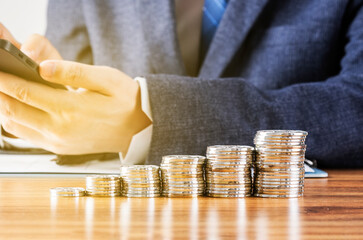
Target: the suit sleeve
pixel 67 31
pixel 191 113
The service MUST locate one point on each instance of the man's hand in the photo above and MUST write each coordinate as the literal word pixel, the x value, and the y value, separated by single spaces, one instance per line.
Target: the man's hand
pixel 101 116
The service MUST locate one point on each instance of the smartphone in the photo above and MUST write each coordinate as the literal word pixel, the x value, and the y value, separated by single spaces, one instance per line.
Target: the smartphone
pixel 15 62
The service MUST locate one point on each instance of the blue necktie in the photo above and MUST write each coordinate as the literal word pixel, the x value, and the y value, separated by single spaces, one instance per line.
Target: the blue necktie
pixel 212 14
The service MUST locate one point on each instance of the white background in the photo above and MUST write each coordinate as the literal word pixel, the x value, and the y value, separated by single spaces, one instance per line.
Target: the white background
pixel 24 17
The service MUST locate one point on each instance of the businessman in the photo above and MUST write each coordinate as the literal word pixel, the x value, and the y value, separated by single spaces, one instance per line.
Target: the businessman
pixel 151 78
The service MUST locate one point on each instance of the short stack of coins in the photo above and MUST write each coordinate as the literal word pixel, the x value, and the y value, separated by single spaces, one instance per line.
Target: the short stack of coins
pixel 182 175
pixel 103 185
pixel 228 171
pixel 279 163
pixel 67 192
pixel 140 181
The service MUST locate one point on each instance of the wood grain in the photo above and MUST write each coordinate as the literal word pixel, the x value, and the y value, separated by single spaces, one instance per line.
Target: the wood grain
pixel 332 208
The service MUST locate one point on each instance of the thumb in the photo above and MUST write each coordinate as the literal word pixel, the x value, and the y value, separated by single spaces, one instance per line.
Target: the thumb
pixel 38 48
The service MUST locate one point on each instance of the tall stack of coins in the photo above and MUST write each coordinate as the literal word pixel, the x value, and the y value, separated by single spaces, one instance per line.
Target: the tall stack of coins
pixel 103 185
pixel 182 175
pixel 140 181
pixel 279 163
pixel 228 171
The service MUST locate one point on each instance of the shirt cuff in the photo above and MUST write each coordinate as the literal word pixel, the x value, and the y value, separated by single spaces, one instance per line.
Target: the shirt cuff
pixel 140 142
pixel 1 137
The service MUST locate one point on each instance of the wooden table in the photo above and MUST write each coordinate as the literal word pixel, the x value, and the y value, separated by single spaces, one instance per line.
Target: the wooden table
pixel 332 208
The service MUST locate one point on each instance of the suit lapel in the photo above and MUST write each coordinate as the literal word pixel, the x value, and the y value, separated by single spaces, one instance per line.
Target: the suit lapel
pixel 158 22
pixel 239 17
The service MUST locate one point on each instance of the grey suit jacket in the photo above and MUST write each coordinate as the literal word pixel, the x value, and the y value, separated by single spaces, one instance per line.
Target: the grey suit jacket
pixel 273 64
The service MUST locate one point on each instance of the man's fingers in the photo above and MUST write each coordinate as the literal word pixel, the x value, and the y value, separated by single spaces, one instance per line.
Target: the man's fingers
pixel 23 114
pixel 35 94
pixel 23 132
pixel 5 34
pixel 39 49
pixel 96 78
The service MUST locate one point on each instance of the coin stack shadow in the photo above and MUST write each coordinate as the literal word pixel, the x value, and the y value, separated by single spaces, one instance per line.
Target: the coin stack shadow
pixel 103 185
pixel 279 163
pixel 140 181
pixel 182 175
pixel 228 171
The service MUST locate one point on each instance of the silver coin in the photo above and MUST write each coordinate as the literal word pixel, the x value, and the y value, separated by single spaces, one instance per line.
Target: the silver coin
pixel 228 165
pixel 103 194
pixel 182 181
pixel 103 177
pixel 184 185
pixel 102 188
pixel 182 176
pixel 229 195
pixel 279 158
pixel 181 166
pixel 141 185
pixel 229 148
pixel 229 191
pixel 219 185
pixel 282 142
pixel 279 177
pixel 275 164
pixel 261 182
pixel 140 167
pixel 229 178
pixel 182 171
pixel 172 195
pixel 232 170
pixel 278 196
pixel 103 191
pixel 68 192
pixel 183 158
pixel 142 195
pixel 280 146
pixel 229 182
pixel 183 191
pixel 278 191
pixel 282 133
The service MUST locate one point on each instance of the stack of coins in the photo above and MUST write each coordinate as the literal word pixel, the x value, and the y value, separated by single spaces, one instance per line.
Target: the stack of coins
pixel 140 181
pixel 67 192
pixel 228 171
pixel 279 163
pixel 103 185
pixel 182 175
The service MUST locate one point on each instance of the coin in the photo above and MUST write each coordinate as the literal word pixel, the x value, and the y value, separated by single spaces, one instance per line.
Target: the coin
pixel 182 175
pixel 103 185
pixel 67 192
pixel 228 170
pixel 140 181
pixel 279 163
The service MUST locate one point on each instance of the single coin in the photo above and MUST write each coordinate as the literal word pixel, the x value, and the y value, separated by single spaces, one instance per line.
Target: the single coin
pixel 103 195
pixel 142 195
pixel 103 177
pixel 278 196
pixel 229 195
pixel 282 133
pixel 229 148
pixel 172 195
pixel 67 191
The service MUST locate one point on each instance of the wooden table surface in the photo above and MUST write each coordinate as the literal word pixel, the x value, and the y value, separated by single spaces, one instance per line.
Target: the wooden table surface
pixel 332 208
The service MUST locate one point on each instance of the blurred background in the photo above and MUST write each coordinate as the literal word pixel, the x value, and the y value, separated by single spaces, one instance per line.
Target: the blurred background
pixel 24 17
